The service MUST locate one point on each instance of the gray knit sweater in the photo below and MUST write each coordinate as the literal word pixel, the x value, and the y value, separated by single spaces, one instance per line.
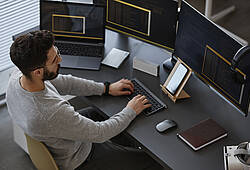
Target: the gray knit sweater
pixel 47 117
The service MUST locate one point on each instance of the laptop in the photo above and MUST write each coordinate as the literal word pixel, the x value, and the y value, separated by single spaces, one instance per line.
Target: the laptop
pixel 79 31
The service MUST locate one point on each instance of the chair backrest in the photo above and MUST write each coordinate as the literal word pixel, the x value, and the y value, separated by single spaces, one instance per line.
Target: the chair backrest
pixel 40 155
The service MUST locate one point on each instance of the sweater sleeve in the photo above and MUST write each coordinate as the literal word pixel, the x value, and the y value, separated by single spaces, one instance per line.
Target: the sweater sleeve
pixel 70 85
pixel 70 125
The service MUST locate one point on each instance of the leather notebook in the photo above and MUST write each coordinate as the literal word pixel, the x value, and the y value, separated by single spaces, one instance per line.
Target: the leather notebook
pixel 202 134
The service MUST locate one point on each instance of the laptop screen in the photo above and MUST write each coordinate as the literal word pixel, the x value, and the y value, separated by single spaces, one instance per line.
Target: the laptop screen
pixel 73 21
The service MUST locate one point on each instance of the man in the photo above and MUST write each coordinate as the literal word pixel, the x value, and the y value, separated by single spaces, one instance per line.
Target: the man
pixel 34 102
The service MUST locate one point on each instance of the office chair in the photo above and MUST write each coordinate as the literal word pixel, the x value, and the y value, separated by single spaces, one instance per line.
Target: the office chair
pixel 40 155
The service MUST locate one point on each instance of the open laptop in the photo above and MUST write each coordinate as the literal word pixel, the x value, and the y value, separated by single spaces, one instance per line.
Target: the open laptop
pixel 79 31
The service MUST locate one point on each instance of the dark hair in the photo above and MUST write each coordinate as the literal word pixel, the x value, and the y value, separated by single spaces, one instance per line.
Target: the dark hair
pixel 29 51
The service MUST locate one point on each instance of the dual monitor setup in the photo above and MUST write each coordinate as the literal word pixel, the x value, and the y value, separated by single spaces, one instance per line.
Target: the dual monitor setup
pixel 215 57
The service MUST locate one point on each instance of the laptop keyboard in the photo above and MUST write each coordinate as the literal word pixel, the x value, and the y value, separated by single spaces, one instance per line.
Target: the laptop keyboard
pixel 79 49
pixel 157 104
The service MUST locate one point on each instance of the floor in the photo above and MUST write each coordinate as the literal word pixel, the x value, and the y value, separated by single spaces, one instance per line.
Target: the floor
pixel 11 157
pixel 235 22
pixel 14 158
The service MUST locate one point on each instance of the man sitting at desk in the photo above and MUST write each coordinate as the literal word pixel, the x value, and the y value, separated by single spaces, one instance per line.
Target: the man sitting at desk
pixel 75 141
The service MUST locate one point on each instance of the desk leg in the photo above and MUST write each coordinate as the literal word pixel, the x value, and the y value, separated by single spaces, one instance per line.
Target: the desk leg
pixel 216 17
pixel 208 11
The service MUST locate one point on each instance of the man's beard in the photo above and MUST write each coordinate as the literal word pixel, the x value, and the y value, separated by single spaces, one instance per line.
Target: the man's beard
pixel 50 75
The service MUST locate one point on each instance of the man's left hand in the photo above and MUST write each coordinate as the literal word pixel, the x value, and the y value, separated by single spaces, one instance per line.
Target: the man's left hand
pixel 121 87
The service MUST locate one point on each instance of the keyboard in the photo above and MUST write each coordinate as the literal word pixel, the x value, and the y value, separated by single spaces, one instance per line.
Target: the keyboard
pixel 79 49
pixel 157 104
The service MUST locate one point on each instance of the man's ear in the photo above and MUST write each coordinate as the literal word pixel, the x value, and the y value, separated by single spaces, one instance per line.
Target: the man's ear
pixel 37 72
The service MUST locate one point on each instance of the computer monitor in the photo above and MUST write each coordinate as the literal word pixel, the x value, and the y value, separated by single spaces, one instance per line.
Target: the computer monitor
pixel 79 31
pixel 208 50
pixel 153 21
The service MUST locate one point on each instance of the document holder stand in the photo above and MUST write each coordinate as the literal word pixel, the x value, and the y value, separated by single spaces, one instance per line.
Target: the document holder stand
pixel 180 93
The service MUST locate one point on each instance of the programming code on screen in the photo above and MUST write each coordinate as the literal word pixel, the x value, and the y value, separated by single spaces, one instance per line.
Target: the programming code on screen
pixel 217 69
pixel 129 16
pixel 149 20
pixel 73 20
pixel 62 23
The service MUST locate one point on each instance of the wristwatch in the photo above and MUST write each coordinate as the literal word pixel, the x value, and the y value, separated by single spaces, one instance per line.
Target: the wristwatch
pixel 107 84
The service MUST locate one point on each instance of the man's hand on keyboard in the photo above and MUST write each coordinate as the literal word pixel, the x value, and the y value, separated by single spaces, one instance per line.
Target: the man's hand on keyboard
pixel 117 88
pixel 139 103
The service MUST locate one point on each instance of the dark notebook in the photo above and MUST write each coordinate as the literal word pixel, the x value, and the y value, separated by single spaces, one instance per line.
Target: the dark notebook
pixel 202 134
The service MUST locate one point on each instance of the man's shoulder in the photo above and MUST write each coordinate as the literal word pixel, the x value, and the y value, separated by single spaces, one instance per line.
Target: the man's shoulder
pixel 16 73
pixel 13 81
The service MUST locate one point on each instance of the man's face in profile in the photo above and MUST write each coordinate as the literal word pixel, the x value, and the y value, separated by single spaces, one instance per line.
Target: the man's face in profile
pixel 51 69
pixel 50 75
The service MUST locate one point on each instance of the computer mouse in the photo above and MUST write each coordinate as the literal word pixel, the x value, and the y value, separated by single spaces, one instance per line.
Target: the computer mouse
pixel 165 124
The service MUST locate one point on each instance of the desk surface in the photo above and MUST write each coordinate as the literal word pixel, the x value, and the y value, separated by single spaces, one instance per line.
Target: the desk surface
pixel 166 148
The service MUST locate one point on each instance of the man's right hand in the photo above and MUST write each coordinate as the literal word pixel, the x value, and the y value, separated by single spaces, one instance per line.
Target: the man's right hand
pixel 139 103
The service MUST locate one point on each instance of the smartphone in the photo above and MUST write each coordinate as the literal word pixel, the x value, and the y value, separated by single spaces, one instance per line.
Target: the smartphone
pixel 176 79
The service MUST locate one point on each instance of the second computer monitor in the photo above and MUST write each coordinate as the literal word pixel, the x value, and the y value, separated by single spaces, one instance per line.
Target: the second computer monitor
pixel 209 51
pixel 153 21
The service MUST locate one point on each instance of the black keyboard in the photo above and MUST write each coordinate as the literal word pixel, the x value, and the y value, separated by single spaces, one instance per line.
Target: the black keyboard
pixel 79 49
pixel 157 104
